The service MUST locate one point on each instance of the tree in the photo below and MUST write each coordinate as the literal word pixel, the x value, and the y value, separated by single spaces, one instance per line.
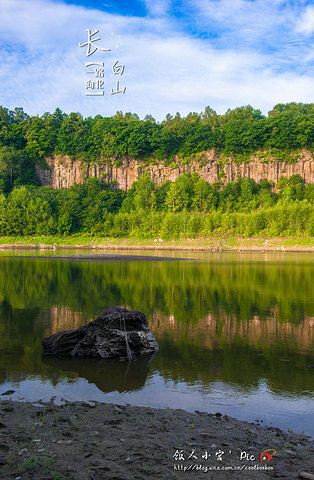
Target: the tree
pixel 229 196
pixel 144 197
pixel 180 194
pixel 15 168
pixel 8 159
pixel 143 138
pixel 17 206
pixel 3 215
pixel 11 127
pixel 161 195
pixel 37 139
pixel 210 117
pixel 205 196
pixel 248 191
pixel 149 118
pixel 290 126
pixel 292 181
pixel 128 202
pixel 73 136
pixel 70 211
pixel 309 192
pixel 39 218
pixel 64 224
pixel 243 131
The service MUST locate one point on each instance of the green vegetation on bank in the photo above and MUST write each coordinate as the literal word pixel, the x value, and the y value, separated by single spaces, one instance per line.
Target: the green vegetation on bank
pixel 186 208
pixel 25 140
pixel 189 207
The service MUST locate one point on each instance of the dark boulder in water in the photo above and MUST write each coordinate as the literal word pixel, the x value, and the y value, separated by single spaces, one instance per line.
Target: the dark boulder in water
pixel 116 333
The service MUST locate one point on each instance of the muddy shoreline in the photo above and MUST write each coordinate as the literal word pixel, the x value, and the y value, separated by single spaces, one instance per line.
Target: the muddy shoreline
pixel 96 441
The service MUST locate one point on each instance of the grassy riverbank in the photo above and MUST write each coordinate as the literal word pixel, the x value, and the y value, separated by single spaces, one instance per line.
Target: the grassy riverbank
pixel 214 244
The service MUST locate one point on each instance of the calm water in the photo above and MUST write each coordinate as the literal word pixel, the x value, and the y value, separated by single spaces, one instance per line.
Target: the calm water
pixel 235 331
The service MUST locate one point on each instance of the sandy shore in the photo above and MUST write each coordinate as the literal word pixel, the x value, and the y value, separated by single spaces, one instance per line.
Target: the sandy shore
pixel 210 244
pixel 82 441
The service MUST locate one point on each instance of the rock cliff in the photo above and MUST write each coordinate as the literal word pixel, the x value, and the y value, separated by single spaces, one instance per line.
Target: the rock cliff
pixel 61 171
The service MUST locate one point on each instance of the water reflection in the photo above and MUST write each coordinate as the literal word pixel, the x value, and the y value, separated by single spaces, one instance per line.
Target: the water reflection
pixel 223 349
pixel 233 334
pixel 222 328
pixel 107 375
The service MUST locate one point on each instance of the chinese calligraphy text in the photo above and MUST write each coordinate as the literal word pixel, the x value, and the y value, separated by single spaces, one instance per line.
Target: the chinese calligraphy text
pixel 95 86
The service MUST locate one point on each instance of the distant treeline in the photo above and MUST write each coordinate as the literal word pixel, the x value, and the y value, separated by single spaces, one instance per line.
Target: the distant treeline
pixel 188 207
pixel 24 139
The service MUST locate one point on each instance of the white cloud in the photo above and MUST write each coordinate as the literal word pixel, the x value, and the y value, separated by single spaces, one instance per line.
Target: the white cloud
pixel 157 7
pixel 306 23
pixel 167 69
pixel 260 24
pixel 248 14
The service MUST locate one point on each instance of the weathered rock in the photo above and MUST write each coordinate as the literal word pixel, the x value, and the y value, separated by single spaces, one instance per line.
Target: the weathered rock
pixel 62 172
pixel 116 333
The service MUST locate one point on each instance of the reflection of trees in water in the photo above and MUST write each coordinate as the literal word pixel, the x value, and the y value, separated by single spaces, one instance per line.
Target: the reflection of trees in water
pixel 237 363
pixel 220 320
pixel 187 290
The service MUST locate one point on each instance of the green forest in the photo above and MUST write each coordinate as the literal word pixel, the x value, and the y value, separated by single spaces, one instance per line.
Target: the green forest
pixel 189 207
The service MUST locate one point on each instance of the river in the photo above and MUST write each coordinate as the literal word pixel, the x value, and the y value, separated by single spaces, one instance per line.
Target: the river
pixel 235 332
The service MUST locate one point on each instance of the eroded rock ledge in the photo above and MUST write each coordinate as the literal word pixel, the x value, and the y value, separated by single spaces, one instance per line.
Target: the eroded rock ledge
pixel 62 172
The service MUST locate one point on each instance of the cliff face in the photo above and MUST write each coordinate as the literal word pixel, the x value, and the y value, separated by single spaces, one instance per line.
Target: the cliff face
pixel 62 172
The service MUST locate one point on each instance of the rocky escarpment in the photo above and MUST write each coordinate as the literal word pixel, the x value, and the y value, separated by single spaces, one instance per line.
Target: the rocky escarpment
pixel 62 172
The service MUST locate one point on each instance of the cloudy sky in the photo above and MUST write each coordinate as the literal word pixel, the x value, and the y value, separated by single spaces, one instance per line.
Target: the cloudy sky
pixel 167 56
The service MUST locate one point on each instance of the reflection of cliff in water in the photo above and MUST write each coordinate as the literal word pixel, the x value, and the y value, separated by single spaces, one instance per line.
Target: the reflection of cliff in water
pixel 221 348
pixel 208 349
pixel 60 318
pixel 208 331
pixel 107 375
pixel 217 330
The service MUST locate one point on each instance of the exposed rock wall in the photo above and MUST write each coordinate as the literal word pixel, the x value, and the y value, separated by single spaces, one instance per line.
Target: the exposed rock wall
pixel 62 172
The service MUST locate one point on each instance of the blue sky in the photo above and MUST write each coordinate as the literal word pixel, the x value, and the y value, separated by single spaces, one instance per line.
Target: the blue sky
pixel 178 56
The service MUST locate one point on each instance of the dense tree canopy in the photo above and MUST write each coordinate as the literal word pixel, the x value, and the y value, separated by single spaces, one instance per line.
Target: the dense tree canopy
pixel 239 131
